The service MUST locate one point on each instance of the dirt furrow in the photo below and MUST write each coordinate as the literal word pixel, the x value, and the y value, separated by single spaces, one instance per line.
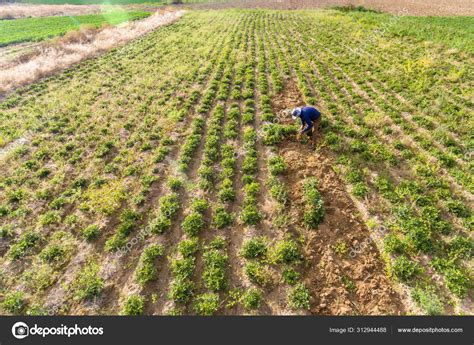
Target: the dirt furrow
pixel 330 274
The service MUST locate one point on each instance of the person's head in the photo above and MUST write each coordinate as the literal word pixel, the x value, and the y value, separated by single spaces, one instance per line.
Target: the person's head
pixel 295 113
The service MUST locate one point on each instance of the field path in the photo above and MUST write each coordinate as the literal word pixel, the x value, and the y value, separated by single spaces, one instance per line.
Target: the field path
pixel 407 7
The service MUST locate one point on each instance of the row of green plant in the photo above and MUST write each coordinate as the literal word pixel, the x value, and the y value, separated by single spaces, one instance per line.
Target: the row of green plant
pixel 38 29
pixel 356 176
pixel 122 169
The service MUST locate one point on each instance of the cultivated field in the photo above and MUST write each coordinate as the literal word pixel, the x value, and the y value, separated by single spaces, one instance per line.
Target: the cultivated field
pixel 165 177
pixel 400 7
pixel 38 29
pixel 22 64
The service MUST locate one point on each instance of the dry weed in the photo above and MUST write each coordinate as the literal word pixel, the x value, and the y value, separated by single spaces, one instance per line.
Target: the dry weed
pixel 76 47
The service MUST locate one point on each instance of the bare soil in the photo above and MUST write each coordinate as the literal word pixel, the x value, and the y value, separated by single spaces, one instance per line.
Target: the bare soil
pixel 372 293
pixel 400 7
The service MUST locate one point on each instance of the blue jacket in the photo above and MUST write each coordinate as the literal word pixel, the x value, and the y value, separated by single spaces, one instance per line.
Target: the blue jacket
pixel 308 115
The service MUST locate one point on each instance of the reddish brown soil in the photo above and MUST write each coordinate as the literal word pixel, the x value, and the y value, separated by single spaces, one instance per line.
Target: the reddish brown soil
pixel 373 293
pixel 401 7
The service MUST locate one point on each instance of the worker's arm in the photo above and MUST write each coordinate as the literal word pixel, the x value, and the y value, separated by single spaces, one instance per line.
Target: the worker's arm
pixel 309 124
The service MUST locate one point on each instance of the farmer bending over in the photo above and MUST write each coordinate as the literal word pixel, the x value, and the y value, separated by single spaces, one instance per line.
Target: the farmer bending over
pixel 310 118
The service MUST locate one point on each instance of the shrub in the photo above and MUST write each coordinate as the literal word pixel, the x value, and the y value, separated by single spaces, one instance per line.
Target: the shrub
pixel 181 290
pixel 226 194
pixel 215 264
pixel 91 232
pixel 222 217
pixel 393 245
pixel 314 207
pixel 333 140
pixel 160 224
pixel 206 173
pixel 405 269
pixel 134 305
pixel 278 190
pixel 206 304
pixel 250 136
pixel 27 241
pixel 250 215
pixel 14 302
pixel 218 242
pixel 254 248
pixel 290 276
pixel 286 251
pixel 175 184
pixel 43 172
pixel 427 300
pixel 6 231
pixel 88 284
pixel 119 239
pixel 354 176
pixel 184 267
pixel 360 189
pixel 257 273
pixel 169 205
pixel 52 253
pixel 458 208
pixel 276 133
pixel 252 189
pixel 457 280
pixel 146 270
pixel 252 298
pixel 4 210
pixel 249 165
pixel 193 224
pixel 105 196
pixel 461 247
pixel 49 217
pixel 420 236
pixel 188 247
pixel 276 165
pixel 199 205
pixel 299 297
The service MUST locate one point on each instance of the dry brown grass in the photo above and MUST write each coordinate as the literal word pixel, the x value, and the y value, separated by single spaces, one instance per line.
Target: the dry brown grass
pixel 84 35
pixel 12 11
pixel 50 58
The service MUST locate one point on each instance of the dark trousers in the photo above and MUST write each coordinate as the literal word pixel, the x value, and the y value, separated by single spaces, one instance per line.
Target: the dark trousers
pixel 312 132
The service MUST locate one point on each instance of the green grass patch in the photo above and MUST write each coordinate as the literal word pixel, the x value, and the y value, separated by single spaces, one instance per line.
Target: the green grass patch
pixel 38 29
